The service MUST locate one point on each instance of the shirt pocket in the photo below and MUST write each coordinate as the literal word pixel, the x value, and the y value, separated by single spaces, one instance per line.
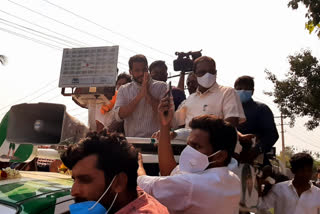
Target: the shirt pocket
pixel 212 109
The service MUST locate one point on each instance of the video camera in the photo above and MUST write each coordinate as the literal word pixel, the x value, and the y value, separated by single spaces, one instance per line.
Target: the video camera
pixel 184 62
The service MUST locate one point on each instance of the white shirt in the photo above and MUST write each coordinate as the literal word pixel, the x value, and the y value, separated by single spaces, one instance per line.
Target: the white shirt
pixel 215 190
pixel 220 101
pixel 284 198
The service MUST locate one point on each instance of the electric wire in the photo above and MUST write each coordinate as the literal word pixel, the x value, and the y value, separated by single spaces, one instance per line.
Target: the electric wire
pixel 46 85
pixel 301 139
pixel 22 28
pixel 53 98
pixel 31 39
pixel 307 136
pixel 72 27
pixel 68 43
pixel 108 29
pixel 79 43
pixel 29 100
pixel 77 29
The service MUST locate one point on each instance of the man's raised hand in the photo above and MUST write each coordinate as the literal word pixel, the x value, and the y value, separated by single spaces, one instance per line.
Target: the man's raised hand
pixel 166 110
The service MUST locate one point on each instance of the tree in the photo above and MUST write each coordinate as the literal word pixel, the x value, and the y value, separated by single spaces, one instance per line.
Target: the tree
pixel 289 151
pixel 3 59
pixel 313 13
pixel 299 94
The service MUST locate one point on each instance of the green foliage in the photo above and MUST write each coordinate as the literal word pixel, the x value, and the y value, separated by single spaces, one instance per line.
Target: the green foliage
pixel 299 94
pixel 289 151
pixel 313 13
pixel 316 165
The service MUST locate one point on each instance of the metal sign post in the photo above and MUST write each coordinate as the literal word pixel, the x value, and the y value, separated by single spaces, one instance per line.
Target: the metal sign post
pixel 92 114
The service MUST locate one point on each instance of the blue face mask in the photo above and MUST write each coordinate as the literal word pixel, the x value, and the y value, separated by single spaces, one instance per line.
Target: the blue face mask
pixel 84 207
pixel 245 95
pixel 92 207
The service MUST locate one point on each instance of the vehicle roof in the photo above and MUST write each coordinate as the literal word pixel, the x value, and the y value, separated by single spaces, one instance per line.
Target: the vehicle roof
pixel 41 188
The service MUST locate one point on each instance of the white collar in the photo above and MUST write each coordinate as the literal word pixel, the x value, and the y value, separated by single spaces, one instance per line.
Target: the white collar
pixel 212 88
pixel 290 184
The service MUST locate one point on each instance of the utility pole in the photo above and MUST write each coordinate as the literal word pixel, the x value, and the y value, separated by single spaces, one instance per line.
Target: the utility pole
pixel 282 139
pixel 283 156
pixel 282 162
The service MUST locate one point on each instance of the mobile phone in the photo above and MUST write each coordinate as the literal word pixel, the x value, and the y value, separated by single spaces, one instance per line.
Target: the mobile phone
pixel 170 89
pixel 169 95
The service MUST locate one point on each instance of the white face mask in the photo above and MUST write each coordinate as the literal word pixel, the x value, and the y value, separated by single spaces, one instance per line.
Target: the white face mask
pixel 193 161
pixel 207 80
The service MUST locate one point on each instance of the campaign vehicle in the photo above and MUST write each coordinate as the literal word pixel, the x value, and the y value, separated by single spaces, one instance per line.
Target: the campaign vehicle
pixel 35 193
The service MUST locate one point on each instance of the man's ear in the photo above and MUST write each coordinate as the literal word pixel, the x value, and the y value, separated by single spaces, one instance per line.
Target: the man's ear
pixel 120 183
pixel 130 72
pixel 220 157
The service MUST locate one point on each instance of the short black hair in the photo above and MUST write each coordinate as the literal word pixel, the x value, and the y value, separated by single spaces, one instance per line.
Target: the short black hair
pixel 158 63
pixel 223 136
pixel 245 80
pixel 137 58
pixel 204 59
pixel 300 161
pixel 115 155
pixel 125 76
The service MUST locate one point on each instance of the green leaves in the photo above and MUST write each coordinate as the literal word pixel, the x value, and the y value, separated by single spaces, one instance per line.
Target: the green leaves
pixel 313 13
pixel 299 94
pixel 310 27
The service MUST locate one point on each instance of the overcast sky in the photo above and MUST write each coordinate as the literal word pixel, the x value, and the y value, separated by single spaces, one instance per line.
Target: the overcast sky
pixel 244 38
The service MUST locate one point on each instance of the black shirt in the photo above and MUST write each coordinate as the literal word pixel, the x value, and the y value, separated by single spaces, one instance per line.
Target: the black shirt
pixel 260 122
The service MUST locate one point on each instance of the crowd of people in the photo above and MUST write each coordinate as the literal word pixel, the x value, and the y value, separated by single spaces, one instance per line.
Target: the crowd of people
pixel 227 130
